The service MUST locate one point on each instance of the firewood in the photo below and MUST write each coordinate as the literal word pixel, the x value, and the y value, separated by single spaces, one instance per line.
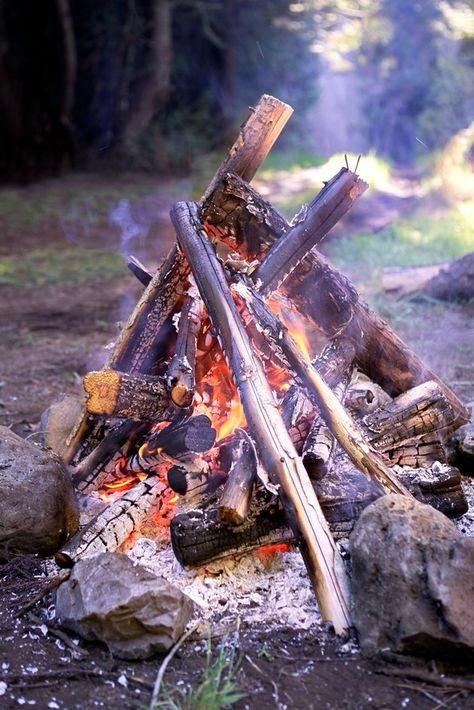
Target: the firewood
pixel 86 475
pixel 194 482
pixel 320 441
pixel 118 394
pixel 234 503
pixel 180 376
pixel 406 279
pixel 341 424
pixel 198 536
pixel 322 559
pixel 139 338
pixel 113 525
pixel 326 295
pixel 320 216
pixel 254 142
pixel 139 270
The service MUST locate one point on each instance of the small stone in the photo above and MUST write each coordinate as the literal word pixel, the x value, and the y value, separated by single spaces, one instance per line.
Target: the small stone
pixel 412 581
pixel 135 612
pixel 38 511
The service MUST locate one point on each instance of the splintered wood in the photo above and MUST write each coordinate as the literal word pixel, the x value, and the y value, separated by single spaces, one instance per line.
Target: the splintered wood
pixel 310 445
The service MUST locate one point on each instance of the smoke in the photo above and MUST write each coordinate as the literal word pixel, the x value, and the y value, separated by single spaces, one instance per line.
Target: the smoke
pixel 132 232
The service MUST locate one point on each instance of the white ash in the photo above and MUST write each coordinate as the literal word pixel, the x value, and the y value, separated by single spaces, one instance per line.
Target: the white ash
pixel 465 523
pixel 273 590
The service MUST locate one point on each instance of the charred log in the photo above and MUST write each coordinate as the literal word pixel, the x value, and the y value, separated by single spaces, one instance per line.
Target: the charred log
pixel 180 376
pixel 118 394
pixel 238 457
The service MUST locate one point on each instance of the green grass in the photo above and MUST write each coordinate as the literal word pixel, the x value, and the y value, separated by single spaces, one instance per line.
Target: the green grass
pixel 289 161
pixel 42 267
pixel 422 239
pixel 217 688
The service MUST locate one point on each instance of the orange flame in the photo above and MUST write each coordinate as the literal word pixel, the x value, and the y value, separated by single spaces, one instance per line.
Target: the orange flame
pixel 296 325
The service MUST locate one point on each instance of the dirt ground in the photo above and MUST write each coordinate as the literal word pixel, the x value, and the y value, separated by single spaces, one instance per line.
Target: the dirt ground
pixel 49 337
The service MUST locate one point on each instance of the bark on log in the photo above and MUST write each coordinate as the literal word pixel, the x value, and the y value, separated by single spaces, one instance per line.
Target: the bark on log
pixel 141 335
pixel 333 202
pixel 118 394
pixel 327 296
pixel 180 376
pixel 322 559
pixel 113 525
pixel 234 502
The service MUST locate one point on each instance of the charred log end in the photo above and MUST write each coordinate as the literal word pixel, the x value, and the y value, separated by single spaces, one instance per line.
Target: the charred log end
pixel 102 389
pixel 181 395
pixel 316 467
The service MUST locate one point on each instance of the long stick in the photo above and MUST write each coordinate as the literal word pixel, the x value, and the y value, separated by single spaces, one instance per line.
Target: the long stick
pixel 276 451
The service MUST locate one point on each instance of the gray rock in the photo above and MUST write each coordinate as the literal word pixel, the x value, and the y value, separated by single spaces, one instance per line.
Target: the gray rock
pixel 59 419
pixel 412 581
pixel 136 613
pixel 38 511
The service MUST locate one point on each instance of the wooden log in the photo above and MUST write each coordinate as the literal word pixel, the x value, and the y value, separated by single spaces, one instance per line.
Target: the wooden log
pixel 276 451
pixel 139 270
pixel 107 531
pixel 333 202
pixel 341 424
pixel 407 279
pixel 320 441
pixel 198 536
pixel 180 376
pixel 86 475
pixel 255 140
pixel 136 346
pixel 326 295
pixel 118 394
pixel 194 482
pixel 234 502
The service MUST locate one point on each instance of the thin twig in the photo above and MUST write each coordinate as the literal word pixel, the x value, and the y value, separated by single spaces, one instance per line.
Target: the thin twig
pixel 166 661
pixel 428 677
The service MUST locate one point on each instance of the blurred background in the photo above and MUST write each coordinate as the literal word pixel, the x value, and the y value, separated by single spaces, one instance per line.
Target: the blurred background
pixel 112 110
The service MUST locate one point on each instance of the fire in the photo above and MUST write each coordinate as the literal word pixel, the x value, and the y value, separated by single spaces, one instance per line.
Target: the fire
pixel 296 324
pixel 220 400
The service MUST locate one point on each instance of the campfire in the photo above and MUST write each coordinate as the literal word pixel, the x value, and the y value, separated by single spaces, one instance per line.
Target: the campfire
pixel 253 398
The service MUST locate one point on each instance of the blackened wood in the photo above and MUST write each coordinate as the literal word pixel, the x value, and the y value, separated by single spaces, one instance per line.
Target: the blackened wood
pixel 180 376
pixel 198 536
pixel 255 140
pixel 86 473
pixel 325 294
pixel 118 394
pixel 276 451
pixel 191 481
pixel 112 526
pixel 141 336
pixel 139 270
pixel 332 203
pixel 341 424
pixel 234 502
pixel 192 435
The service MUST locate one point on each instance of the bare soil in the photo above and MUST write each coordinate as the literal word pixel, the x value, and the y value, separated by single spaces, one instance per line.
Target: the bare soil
pixel 49 337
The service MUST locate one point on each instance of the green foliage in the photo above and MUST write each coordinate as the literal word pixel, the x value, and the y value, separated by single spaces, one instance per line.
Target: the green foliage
pixel 217 688
pixel 42 267
pixel 289 161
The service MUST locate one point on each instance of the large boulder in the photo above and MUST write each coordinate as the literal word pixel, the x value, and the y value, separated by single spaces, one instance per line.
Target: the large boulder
pixel 135 612
pixel 38 511
pixel 412 581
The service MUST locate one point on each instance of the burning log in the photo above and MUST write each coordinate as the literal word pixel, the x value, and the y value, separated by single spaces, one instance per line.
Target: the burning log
pixel 180 376
pixel 327 208
pixel 327 296
pixel 198 536
pixel 111 527
pixel 323 562
pixel 194 482
pixel 340 423
pixel 118 394
pixel 241 465
pixel 139 340
pixel 89 473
